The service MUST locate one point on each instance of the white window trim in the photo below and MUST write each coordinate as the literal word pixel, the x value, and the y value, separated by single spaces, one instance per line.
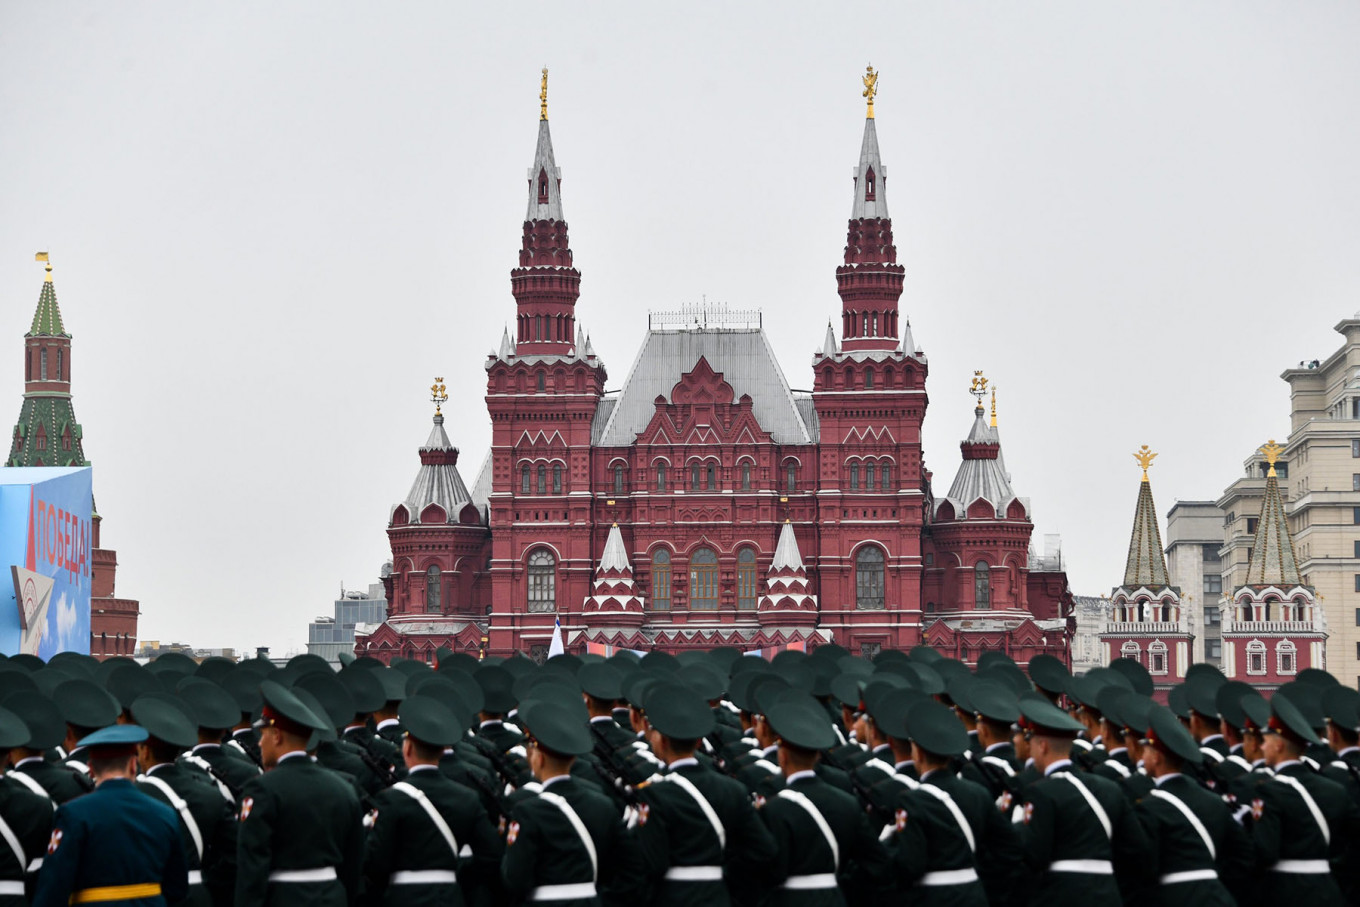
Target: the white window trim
pixel 1256 647
pixel 1286 647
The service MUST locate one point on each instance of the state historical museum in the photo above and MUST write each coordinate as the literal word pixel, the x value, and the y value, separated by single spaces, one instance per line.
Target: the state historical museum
pixel 706 503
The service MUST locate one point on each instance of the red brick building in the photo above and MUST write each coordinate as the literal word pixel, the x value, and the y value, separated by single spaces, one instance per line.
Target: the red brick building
pixel 47 434
pixel 705 502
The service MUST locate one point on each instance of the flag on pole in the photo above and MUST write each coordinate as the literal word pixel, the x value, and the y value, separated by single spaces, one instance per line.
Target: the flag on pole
pixel 555 647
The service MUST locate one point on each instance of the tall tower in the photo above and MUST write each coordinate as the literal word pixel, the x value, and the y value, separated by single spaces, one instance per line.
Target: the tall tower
pixel 543 390
pixel 1148 622
pixel 47 434
pixel 1272 625
pixel 870 396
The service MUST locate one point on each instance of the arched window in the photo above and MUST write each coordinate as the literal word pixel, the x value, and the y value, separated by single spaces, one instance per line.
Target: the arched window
pixel 854 477
pixel 538 335
pixel 703 580
pixel 982 585
pixel 557 478
pixel 661 477
pixel 791 478
pixel 61 362
pixel 524 478
pixel 869 477
pixel 746 579
pixel 869 579
pixel 885 483
pixel 661 580
pixel 42 364
pixel 618 478
pixel 28 364
pixel 433 600
pixel 710 477
pixel 1131 650
pixel 1256 657
pixel 542 581
pixel 542 478
pixel 694 477
pixel 1269 608
pixel 542 382
pixel 1157 658
pixel 1287 657
pixel 869 185
pixel 746 477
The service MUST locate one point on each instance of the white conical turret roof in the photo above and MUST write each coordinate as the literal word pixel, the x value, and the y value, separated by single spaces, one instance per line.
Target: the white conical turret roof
pixel 869 161
pixel 544 166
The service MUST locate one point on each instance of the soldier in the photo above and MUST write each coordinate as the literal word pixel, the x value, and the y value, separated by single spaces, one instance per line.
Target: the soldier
pixel 696 828
pixel 497 687
pixel 1050 677
pixel 1079 831
pixel 86 708
pixel 207 819
pixel 25 819
pixel 827 853
pixel 1198 849
pixel 601 687
pixel 568 844
pixel 244 686
pixel 46 731
pixel 215 711
pixel 300 838
pixel 116 843
pixel 1228 701
pixel 1300 819
pixel 1342 707
pixel 996 767
pixel 949 840
pixel 369 699
pixel 424 822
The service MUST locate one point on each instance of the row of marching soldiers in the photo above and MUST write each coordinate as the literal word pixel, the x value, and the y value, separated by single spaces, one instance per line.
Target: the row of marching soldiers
pixel 709 778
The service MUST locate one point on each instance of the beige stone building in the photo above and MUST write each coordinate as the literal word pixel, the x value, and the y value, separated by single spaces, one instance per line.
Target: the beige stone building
pixel 1194 539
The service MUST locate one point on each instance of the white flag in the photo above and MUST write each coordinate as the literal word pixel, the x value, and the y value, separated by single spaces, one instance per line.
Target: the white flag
pixel 555 647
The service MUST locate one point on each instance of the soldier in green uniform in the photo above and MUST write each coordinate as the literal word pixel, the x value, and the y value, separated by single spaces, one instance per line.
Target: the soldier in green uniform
pixel 827 853
pixel 1300 820
pixel 424 823
pixel 208 821
pixel 300 839
pixel 568 844
pixel 25 819
pixel 950 842
pixel 996 767
pixel 498 690
pixel 1079 830
pixel 85 707
pixel 1341 705
pixel 1198 849
pixel 215 711
pixel 47 730
pixel 115 844
pixel 699 835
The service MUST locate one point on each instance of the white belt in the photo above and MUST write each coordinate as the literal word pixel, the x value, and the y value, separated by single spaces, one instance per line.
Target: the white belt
pixel 949 877
pixel 423 877
pixel 1091 867
pixel 1302 867
pixel 810 882
pixel 324 874
pixel 12 888
pixel 195 877
pixel 694 874
pixel 1190 875
pixel 569 892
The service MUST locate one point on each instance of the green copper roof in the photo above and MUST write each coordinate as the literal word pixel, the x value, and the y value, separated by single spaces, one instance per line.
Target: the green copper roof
pixel 47 434
pixel 1146 565
pixel 47 319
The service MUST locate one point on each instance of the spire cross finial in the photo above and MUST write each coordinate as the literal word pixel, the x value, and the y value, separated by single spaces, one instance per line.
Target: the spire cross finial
pixel 1271 451
pixel 870 80
pixel 978 388
pixel 439 395
pixel 993 406
pixel 42 257
pixel 1145 457
pixel 543 96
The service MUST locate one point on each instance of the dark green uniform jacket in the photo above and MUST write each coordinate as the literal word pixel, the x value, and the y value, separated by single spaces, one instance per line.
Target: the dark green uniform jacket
pixel 1180 852
pixel 676 836
pixel 500 735
pixel 405 838
pixel 232 768
pixel 1066 843
pixel 1286 836
pixel 803 855
pixel 544 848
pixel 216 823
pixel 114 836
pixel 298 816
pixel 29 817
pixel 61 783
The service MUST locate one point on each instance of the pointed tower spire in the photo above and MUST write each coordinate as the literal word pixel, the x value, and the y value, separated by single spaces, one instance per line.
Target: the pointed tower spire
pixel 1272 555
pixel 870 281
pixel 615 599
pixel 47 433
pixel 829 345
pixel 1146 563
pixel 545 284
pixel 507 346
pixel 786 600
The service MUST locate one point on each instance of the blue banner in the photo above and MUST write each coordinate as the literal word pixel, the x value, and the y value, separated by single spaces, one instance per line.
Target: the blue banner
pixel 46 542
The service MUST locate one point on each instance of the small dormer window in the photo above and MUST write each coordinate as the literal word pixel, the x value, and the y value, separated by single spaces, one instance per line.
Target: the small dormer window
pixel 542 187
pixel 869 185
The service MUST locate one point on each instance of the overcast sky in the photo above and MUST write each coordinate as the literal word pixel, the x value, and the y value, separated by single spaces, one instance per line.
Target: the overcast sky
pixel 272 224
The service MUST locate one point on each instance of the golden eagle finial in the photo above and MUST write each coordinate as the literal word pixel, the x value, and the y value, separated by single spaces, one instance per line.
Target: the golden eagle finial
pixel 43 257
pixel 543 96
pixel 978 388
pixel 439 395
pixel 1145 456
pixel 1271 451
pixel 870 80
